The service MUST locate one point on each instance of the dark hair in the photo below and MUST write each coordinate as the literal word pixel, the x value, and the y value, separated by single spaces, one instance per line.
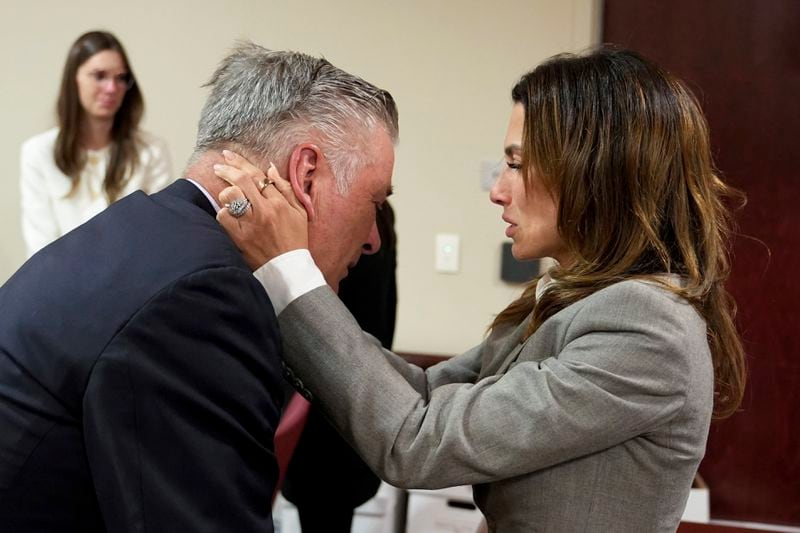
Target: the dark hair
pixel 69 156
pixel 624 148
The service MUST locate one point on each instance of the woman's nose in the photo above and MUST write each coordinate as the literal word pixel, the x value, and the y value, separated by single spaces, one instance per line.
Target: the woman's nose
pixel 498 194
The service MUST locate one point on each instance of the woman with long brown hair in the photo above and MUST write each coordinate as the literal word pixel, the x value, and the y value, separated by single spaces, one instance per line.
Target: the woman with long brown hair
pixel 588 405
pixel 97 154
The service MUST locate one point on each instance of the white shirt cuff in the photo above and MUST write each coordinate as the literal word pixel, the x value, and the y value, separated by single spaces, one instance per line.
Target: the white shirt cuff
pixel 288 277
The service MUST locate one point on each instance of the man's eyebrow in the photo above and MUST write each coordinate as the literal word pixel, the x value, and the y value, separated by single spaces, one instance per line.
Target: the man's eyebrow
pixel 513 149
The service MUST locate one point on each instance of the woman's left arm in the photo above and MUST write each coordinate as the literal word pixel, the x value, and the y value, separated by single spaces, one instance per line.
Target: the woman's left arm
pixel 623 374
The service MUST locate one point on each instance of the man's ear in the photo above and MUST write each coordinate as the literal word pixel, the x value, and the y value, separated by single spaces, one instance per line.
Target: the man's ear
pixel 303 164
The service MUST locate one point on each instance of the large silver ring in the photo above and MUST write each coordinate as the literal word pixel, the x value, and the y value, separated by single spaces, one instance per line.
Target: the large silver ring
pixel 237 208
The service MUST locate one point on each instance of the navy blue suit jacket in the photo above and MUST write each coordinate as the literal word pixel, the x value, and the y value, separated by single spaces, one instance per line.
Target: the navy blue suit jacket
pixel 139 377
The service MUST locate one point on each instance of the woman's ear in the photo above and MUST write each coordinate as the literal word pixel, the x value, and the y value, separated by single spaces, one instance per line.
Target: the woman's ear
pixel 303 163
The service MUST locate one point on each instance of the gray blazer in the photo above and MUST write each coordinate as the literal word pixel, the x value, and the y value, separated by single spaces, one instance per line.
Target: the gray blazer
pixel 596 423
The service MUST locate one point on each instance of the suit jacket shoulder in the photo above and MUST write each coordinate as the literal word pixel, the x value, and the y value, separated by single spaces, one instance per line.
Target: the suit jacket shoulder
pixel 144 321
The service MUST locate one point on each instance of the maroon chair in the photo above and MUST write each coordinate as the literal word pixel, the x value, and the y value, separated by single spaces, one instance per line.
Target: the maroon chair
pixel 288 433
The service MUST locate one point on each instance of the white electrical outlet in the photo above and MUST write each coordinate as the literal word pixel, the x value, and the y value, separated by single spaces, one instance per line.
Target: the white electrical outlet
pixel 447 252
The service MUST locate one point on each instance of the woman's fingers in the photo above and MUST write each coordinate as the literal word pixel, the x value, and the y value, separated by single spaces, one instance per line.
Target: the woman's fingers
pixel 250 179
pixel 239 171
pixel 230 194
pixel 282 186
pixel 274 222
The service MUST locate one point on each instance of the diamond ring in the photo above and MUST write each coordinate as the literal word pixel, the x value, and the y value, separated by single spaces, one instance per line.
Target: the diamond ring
pixel 237 208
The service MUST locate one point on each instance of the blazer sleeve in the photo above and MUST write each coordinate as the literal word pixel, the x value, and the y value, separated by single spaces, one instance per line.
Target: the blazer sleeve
pixel 157 172
pixel 622 371
pixel 463 368
pixel 181 408
pixel 39 226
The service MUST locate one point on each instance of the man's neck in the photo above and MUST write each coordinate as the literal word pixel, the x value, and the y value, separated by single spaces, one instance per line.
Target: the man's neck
pixel 202 171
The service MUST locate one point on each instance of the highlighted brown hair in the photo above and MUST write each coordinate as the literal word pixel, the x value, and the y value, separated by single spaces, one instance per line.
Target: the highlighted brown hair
pixel 624 147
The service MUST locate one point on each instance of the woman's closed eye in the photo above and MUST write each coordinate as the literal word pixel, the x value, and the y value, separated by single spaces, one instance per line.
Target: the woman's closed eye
pixel 101 76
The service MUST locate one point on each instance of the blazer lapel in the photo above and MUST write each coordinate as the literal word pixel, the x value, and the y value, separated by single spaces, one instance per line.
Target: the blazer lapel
pixel 500 363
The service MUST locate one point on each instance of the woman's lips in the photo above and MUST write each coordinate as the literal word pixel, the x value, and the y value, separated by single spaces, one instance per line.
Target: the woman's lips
pixel 511 229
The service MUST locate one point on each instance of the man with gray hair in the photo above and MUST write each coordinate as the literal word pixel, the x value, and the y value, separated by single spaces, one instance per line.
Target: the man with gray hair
pixel 140 374
pixel 331 134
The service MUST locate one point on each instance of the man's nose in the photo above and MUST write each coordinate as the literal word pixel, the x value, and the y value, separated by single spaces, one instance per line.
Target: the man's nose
pixel 373 243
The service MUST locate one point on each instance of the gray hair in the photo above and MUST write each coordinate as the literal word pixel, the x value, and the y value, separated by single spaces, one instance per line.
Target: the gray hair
pixel 264 102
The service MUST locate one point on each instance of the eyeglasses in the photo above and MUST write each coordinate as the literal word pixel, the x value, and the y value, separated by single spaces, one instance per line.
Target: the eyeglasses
pixel 101 77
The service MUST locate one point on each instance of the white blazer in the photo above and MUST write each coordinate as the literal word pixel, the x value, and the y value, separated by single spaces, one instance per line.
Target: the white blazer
pixel 47 210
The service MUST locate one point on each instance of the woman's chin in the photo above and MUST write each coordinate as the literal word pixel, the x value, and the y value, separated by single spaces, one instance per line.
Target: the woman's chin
pixel 521 254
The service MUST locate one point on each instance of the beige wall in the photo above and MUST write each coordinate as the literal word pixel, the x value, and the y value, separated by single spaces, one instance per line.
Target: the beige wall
pixel 450 64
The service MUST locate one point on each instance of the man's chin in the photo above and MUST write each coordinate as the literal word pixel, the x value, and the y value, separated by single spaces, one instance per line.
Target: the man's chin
pixel 333 282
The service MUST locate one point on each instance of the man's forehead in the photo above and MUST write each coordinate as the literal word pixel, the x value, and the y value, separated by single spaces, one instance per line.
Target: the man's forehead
pixel 382 155
pixel 381 187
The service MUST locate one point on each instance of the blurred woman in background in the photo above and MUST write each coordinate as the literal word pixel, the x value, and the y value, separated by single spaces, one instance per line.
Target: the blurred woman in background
pixel 97 154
